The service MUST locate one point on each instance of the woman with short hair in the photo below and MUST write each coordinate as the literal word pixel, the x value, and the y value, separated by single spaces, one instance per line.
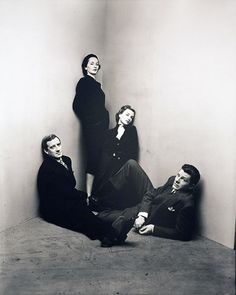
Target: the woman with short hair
pixel 89 107
pixel 120 145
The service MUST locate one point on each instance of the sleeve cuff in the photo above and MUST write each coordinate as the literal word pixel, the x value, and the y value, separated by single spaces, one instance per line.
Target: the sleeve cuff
pixel 143 214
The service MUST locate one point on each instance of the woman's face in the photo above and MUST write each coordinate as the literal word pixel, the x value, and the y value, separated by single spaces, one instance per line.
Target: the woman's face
pixel 92 66
pixel 126 117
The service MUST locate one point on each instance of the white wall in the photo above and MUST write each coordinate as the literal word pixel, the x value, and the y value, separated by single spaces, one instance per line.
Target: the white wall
pixel 175 62
pixel 42 46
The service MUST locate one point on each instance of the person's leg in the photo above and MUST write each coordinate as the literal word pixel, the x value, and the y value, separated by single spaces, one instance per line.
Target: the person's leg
pixel 79 217
pixel 124 189
pixel 109 231
pixel 132 174
pixel 121 221
pixel 109 215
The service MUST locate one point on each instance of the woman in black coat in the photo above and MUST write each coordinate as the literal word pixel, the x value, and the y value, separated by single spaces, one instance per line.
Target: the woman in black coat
pixel 89 106
pixel 120 145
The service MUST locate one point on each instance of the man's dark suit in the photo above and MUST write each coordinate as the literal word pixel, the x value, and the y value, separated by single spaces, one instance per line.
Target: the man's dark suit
pixel 171 214
pixel 62 204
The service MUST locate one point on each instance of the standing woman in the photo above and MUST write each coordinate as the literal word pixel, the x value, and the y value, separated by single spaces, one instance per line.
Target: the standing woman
pixel 89 106
pixel 120 145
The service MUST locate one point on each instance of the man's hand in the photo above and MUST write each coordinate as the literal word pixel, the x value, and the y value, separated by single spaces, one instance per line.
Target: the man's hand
pixel 139 221
pixel 147 229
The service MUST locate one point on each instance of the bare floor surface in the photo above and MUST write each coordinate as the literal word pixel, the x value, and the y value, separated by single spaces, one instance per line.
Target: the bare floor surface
pixel 38 258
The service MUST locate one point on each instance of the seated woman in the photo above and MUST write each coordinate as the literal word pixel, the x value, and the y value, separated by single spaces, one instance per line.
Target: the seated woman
pixel 120 145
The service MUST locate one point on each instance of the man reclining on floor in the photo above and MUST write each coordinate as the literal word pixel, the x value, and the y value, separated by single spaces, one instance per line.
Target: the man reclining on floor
pixel 168 211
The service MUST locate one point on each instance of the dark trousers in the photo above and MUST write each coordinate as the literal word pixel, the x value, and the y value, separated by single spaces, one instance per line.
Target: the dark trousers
pixel 75 215
pixel 130 178
pixel 90 225
pixel 131 174
pixel 110 215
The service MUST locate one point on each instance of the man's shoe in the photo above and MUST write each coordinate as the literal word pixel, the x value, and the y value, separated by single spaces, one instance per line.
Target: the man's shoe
pixel 122 226
pixel 120 240
pixel 106 242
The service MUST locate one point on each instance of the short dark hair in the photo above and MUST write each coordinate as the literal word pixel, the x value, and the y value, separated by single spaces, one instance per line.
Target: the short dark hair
pixel 44 145
pixel 85 62
pixel 122 109
pixel 193 172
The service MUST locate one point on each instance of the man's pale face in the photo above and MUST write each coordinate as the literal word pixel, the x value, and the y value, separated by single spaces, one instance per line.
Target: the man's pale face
pixel 54 149
pixel 182 180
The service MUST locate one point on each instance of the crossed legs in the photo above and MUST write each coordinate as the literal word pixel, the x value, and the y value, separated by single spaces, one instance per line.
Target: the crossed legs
pixel 131 174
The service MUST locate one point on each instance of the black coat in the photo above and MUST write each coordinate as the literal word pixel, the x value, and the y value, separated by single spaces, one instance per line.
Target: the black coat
pixel 57 192
pixel 115 153
pixel 89 102
pixel 62 204
pixel 173 215
pixel 89 106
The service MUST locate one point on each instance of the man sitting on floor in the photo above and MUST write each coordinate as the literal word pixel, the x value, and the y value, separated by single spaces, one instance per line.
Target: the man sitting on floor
pixel 167 211
pixel 62 204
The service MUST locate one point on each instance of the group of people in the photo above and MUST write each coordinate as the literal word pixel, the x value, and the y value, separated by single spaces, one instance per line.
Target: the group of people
pixel 119 193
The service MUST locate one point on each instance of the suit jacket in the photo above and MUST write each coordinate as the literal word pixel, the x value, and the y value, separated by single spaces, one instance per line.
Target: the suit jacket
pixel 172 214
pixel 59 201
pixel 115 153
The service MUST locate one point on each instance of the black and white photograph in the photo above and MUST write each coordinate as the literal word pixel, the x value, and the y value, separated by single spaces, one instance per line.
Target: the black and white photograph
pixel 118 144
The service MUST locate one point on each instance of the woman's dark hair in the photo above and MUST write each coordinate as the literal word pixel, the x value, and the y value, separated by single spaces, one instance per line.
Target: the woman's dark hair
pixel 122 109
pixel 85 62
pixel 193 172
pixel 44 145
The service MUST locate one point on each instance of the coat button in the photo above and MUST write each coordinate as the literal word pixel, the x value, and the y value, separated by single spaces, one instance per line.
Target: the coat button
pixel 118 158
pixel 114 154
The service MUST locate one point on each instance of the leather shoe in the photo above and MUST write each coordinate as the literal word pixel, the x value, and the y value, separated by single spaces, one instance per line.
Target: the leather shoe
pixel 106 242
pixel 122 226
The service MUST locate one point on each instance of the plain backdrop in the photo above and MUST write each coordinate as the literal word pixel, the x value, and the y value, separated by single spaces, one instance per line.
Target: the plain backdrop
pixel 173 61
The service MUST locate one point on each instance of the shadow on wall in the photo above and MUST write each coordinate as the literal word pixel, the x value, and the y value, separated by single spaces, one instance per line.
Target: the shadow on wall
pixel 235 240
pixel 81 176
pixel 198 197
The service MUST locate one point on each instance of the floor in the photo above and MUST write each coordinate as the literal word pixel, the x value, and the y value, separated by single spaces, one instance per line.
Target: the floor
pixel 41 258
